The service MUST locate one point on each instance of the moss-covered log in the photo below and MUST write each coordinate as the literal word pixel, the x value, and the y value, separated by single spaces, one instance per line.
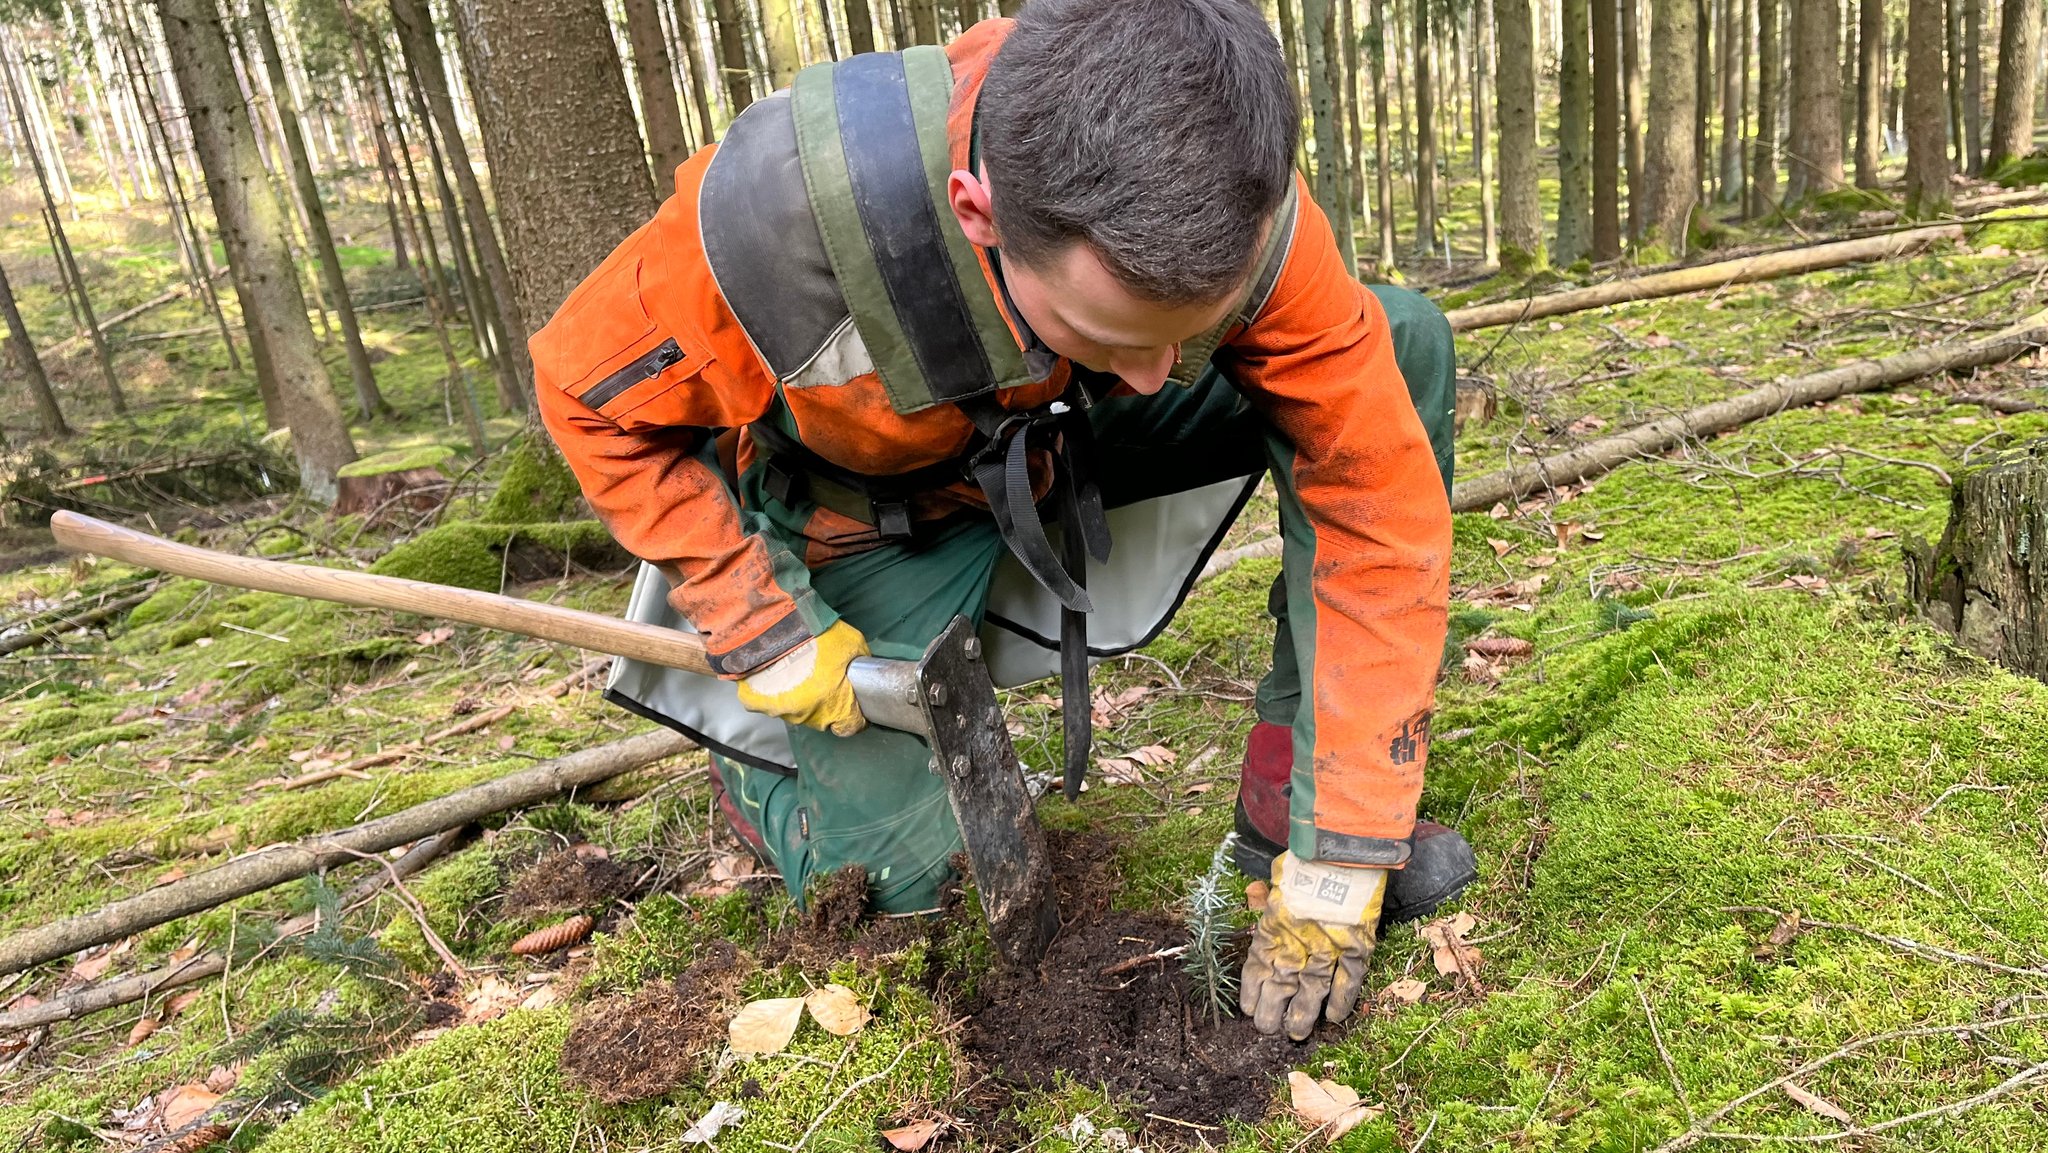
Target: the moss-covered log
pixel 1986 581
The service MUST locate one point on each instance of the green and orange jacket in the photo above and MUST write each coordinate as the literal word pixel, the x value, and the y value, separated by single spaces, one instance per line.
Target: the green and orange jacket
pixel 645 362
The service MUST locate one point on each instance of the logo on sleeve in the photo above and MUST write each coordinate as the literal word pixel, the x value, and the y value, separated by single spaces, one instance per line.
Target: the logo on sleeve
pixel 1409 743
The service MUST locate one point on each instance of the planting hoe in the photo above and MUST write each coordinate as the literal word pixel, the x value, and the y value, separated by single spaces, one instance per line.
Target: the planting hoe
pixel 945 696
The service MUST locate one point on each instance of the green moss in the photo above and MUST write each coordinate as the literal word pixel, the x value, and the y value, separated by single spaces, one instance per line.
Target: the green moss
pixel 398 460
pixel 2020 172
pixel 471 554
pixel 536 486
pixel 167 602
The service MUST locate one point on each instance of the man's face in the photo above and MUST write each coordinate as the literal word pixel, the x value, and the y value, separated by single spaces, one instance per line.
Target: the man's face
pixel 1082 312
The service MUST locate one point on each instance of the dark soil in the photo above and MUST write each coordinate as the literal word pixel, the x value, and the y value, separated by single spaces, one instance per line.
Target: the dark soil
pixel 623 1049
pixel 1138 1034
pixel 575 879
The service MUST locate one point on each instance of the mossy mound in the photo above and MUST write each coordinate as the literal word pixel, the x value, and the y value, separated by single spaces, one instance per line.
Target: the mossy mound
pixel 536 486
pixel 397 460
pixel 488 556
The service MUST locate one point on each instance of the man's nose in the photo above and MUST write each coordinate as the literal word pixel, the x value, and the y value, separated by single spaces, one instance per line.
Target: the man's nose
pixel 1144 369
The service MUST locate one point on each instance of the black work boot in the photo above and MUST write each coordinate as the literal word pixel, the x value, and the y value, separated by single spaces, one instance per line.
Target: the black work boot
pixel 1440 862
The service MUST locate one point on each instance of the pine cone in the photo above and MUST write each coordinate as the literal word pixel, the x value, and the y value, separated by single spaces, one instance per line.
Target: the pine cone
pixel 1498 648
pixel 558 936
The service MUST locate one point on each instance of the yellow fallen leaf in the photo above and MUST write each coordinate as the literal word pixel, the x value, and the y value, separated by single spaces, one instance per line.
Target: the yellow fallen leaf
pixel 914 1136
pixel 1406 991
pixel 838 1010
pixel 186 1104
pixel 1331 1107
pixel 766 1026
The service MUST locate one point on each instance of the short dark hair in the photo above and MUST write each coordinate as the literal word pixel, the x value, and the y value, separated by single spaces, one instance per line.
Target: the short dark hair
pixel 1159 132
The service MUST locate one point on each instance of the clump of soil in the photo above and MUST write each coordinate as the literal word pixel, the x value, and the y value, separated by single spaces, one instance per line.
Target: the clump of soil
pixel 624 1050
pixel 838 902
pixel 837 923
pixel 574 879
pixel 1137 1033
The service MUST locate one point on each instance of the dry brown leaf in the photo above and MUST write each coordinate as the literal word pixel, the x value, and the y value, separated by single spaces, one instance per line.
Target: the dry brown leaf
pixel 490 1000
pixel 837 1009
pixel 1499 511
pixel 1480 670
pixel 1451 954
pixel 181 1002
pixel 93 967
pixel 1406 991
pixel 1782 934
pixel 433 637
pixel 1153 755
pixel 144 1026
pixel 766 1026
pixel 1120 771
pixel 1566 530
pixel 1817 1104
pixel 914 1136
pixel 222 1078
pixel 1198 788
pixel 186 1104
pixel 1331 1107
pixel 1540 560
pixel 1501 548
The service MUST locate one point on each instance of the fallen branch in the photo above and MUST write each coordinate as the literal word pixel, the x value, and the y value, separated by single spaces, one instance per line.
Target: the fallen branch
pixel 1701 277
pixel 2005 404
pixel 108 322
pixel 135 987
pixel 1903 944
pixel 386 756
pixel 1222 562
pixel 274 866
pixel 98 614
pixel 1645 440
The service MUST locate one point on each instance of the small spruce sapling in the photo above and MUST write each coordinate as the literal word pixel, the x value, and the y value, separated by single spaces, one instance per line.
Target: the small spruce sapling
pixel 1209 927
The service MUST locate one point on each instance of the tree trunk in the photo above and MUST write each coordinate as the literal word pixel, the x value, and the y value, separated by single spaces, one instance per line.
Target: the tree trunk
pixel 688 46
pixel 825 31
pixel 1973 86
pixel 1382 143
pixel 1514 81
pixel 47 413
pixel 732 56
pixel 369 402
pixel 1634 110
pixel 1870 88
pixel 1482 131
pixel 1354 117
pixel 1927 159
pixel 2019 56
pixel 924 21
pixel 413 23
pixel 1952 31
pixel 1984 582
pixel 386 126
pixel 1763 164
pixel 254 233
pixel 1728 185
pixel 558 131
pixel 1291 54
pixel 1574 135
pixel 1606 132
pixel 1332 187
pixel 1425 135
pixel 1814 161
pixel 860 25
pixel 778 19
pixel 1702 99
pixel 1670 166
pixel 667 144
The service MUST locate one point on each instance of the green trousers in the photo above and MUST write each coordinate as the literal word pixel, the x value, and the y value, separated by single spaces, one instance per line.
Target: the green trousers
pixel 870 799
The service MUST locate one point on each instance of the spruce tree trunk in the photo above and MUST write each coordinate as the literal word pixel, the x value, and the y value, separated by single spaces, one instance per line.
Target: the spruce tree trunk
pixel 1813 164
pixel 1606 131
pixel 1291 53
pixel 2019 56
pixel 369 402
pixel 1482 131
pixel 1952 31
pixel 1574 135
pixel 1633 112
pixel 1514 79
pixel 924 21
pixel 1973 86
pixel 689 47
pixel 667 144
pixel 1729 62
pixel 1870 87
pixel 1354 117
pixel 732 56
pixel 1425 135
pixel 1985 580
pixel 1927 159
pixel 1332 186
pixel 1382 143
pixel 558 132
pixel 1670 166
pixel 1702 98
pixel 47 413
pixel 1763 163
pixel 413 23
pixel 860 25
pixel 254 233
pixel 778 20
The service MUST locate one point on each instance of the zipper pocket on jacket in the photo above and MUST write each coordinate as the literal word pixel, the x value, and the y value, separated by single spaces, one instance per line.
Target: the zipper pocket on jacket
pixel 647 367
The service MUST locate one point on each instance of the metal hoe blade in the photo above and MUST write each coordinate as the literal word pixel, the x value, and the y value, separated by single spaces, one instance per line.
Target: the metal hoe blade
pixel 971 750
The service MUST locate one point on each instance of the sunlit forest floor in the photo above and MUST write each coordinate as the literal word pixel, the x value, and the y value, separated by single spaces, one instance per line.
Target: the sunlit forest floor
pixel 1725 710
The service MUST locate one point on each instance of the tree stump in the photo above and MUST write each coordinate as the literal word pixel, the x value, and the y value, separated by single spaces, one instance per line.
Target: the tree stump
pixel 1987 580
pixel 409 477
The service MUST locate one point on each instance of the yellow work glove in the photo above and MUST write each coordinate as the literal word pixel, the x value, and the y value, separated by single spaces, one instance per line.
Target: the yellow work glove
pixel 807 685
pixel 1308 954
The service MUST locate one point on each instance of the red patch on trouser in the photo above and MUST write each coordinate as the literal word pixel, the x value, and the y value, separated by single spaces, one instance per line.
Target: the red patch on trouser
pixel 741 827
pixel 1268 770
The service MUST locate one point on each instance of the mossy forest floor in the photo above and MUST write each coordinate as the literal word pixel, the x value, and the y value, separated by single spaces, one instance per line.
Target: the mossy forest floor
pixel 1726 713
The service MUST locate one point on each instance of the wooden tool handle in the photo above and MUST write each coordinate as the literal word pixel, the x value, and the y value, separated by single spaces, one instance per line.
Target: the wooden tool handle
pixel 620 638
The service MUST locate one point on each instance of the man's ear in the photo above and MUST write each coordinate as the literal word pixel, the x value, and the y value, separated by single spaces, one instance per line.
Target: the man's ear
pixel 968 196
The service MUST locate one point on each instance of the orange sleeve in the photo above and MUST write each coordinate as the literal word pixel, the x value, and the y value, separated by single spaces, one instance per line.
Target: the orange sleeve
pixel 634 374
pixel 1318 361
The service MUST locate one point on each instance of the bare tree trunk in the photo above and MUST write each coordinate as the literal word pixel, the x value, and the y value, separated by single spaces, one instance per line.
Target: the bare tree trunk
pixel 1702 98
pixel 1606 132
pixel 1482 131
pixel 1425 134
pixel 1633 112
pixel 924 21
pixel 1952 31
pixel 1354 116
pixel 825 30
pixel 860 25
pixel 254 232
pixel 1973 86
pixel 1814 161
pixel 1514 78
pixel 1870 88
pixel 47 413
pixel 1927 159
pixel 369 402
pixel 689 47
pixel 558 130
pixel 1763 165
pixel 1728 186
pixel 410 217
pixel 423 53
pixel 667 145
pixel 1332 187
pixel 732 56
pixel 778 18
pixel 1574 135
pixel 2019 58
pixel 1383 160
pixel 1670 168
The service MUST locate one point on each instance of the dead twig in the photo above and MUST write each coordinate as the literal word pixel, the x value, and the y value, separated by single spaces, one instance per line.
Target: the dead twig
pixel 1657 1035
pixel 1902 944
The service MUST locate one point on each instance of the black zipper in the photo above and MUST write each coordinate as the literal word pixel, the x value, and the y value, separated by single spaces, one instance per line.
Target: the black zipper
pixel 647 367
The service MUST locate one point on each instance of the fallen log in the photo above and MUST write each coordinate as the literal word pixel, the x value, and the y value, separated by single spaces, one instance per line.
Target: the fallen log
pixel 274 866
pixel 98 614
pixel 1702 277
pixel 137 986
pixel 1643 440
